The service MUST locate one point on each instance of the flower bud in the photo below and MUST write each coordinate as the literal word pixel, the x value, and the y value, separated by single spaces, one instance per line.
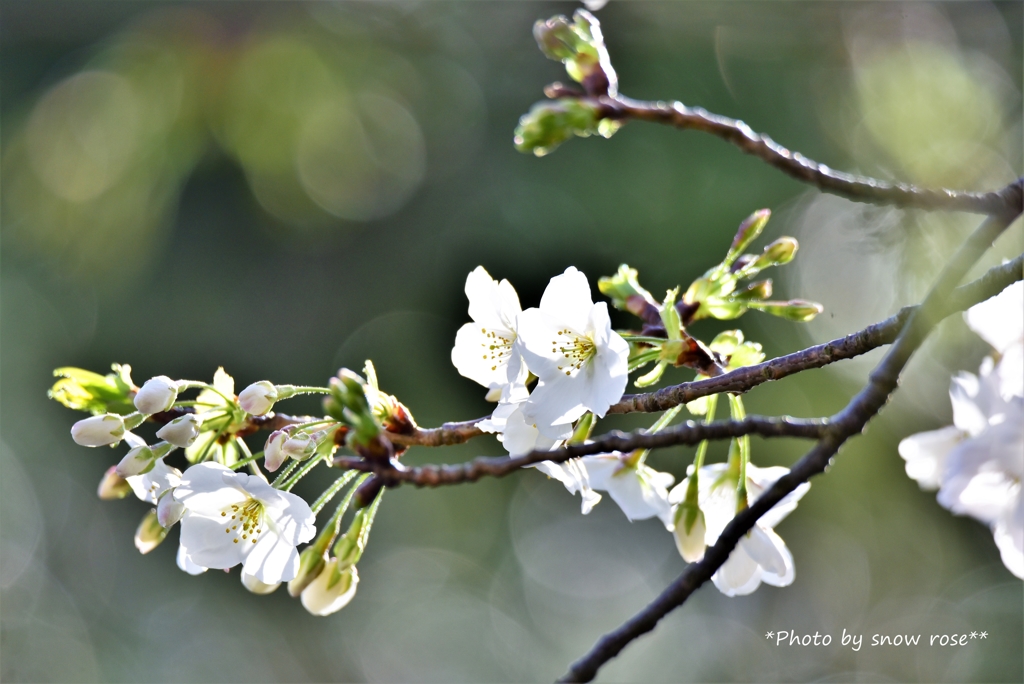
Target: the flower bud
pixel 777 253
pixel 794 309
pixel 182 431
pixel 156 395
pixel 300 447
pixel 332 590
pixel 136 462
pixel 256 586
pixel 762 289
pixel 98 430
pixel 548 124
pixel 273 454
pixel 689 533
pixel 627 294
pixel 168 510
pixel 258 398
pixel 150 533
pixel 312 561
pixel 113 486
pixel 555 38
pixel 747 233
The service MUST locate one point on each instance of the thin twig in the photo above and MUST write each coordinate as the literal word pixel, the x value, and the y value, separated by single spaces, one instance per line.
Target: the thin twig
pixel 855 344
pixel 795 165
pixel 845 424
pixel 499 466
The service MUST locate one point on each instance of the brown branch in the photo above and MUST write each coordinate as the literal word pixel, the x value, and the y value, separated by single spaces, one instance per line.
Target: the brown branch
pixel 499 466
pixel 795 165
pixel 845 424
pixel 744 379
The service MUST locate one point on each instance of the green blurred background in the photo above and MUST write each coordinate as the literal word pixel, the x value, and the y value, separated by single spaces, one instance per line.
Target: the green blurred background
pixel 284 188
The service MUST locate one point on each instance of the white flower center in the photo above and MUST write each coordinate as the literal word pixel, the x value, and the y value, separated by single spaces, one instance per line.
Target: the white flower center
pixel 575 348
pixel 497 347
pixel 246 521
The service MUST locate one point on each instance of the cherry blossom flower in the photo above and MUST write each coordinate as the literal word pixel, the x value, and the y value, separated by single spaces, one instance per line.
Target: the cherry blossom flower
pixel 639 490
pixel 761 555
pixel 569 345
pixel 515 431
pixel 485 350
pixel 156 395
pixel 977 464
pixel 234 518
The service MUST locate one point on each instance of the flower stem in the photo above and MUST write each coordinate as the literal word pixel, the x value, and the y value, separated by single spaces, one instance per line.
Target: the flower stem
pixel 284 474
pixel 739 413
pixel 301 473
pixel 331 491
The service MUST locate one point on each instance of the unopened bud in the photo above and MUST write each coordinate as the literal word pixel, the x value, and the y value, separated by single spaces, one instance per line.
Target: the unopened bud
pixel 257 586
pixel 168 510
pixel 549 124
pixel 311 563
pixel 98 430
pixel 332 590
pixel 150 533
pixel 258 398
pixel 627 294
pixel 794 309
pixel 136 462
pixel 777 253
pixel 273 453
pixel 156 395
pixel 182 431
pixel 113 486
pixel 762 289
pixel 300 447
pixel 747 233
pixel 690 533
pixel 555 38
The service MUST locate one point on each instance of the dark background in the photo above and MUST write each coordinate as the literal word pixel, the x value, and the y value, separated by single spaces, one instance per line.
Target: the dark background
pixel 285 188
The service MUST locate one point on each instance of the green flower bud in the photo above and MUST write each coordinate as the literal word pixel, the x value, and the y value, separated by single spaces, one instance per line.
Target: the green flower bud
pixel 762 289
pixel 794 309
pixel 555 38
pixel 777 253
pixel 312 561
pixel 113 486
pixel 580 46
pixel 747 233
pixel 548 124
pixel 627 294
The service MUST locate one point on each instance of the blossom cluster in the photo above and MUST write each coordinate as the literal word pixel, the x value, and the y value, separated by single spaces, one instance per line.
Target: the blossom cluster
pixel 977 464
pixel 553 371
pixel 580 365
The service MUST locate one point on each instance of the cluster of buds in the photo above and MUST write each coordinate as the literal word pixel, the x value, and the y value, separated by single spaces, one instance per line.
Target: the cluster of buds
pixel 580 46
pixel 664 339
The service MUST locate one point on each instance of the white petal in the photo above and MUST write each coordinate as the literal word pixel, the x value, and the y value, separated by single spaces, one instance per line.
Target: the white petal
pixel 739 575
pixel 555 402
pixel 203 489
pixel 272 559
pixel 490 304
pixel 567 299
pixel 768 550
pixel 1011 372
pixel 522 437
pixel 1000 320
pixel 691 544
pixel 185 563
pixel 926 454
pixel 1008 532
pixel 538 343
pixel 207 543
pixel 253 584
pixel 319 599
pixel 474 357
pixel 967 414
